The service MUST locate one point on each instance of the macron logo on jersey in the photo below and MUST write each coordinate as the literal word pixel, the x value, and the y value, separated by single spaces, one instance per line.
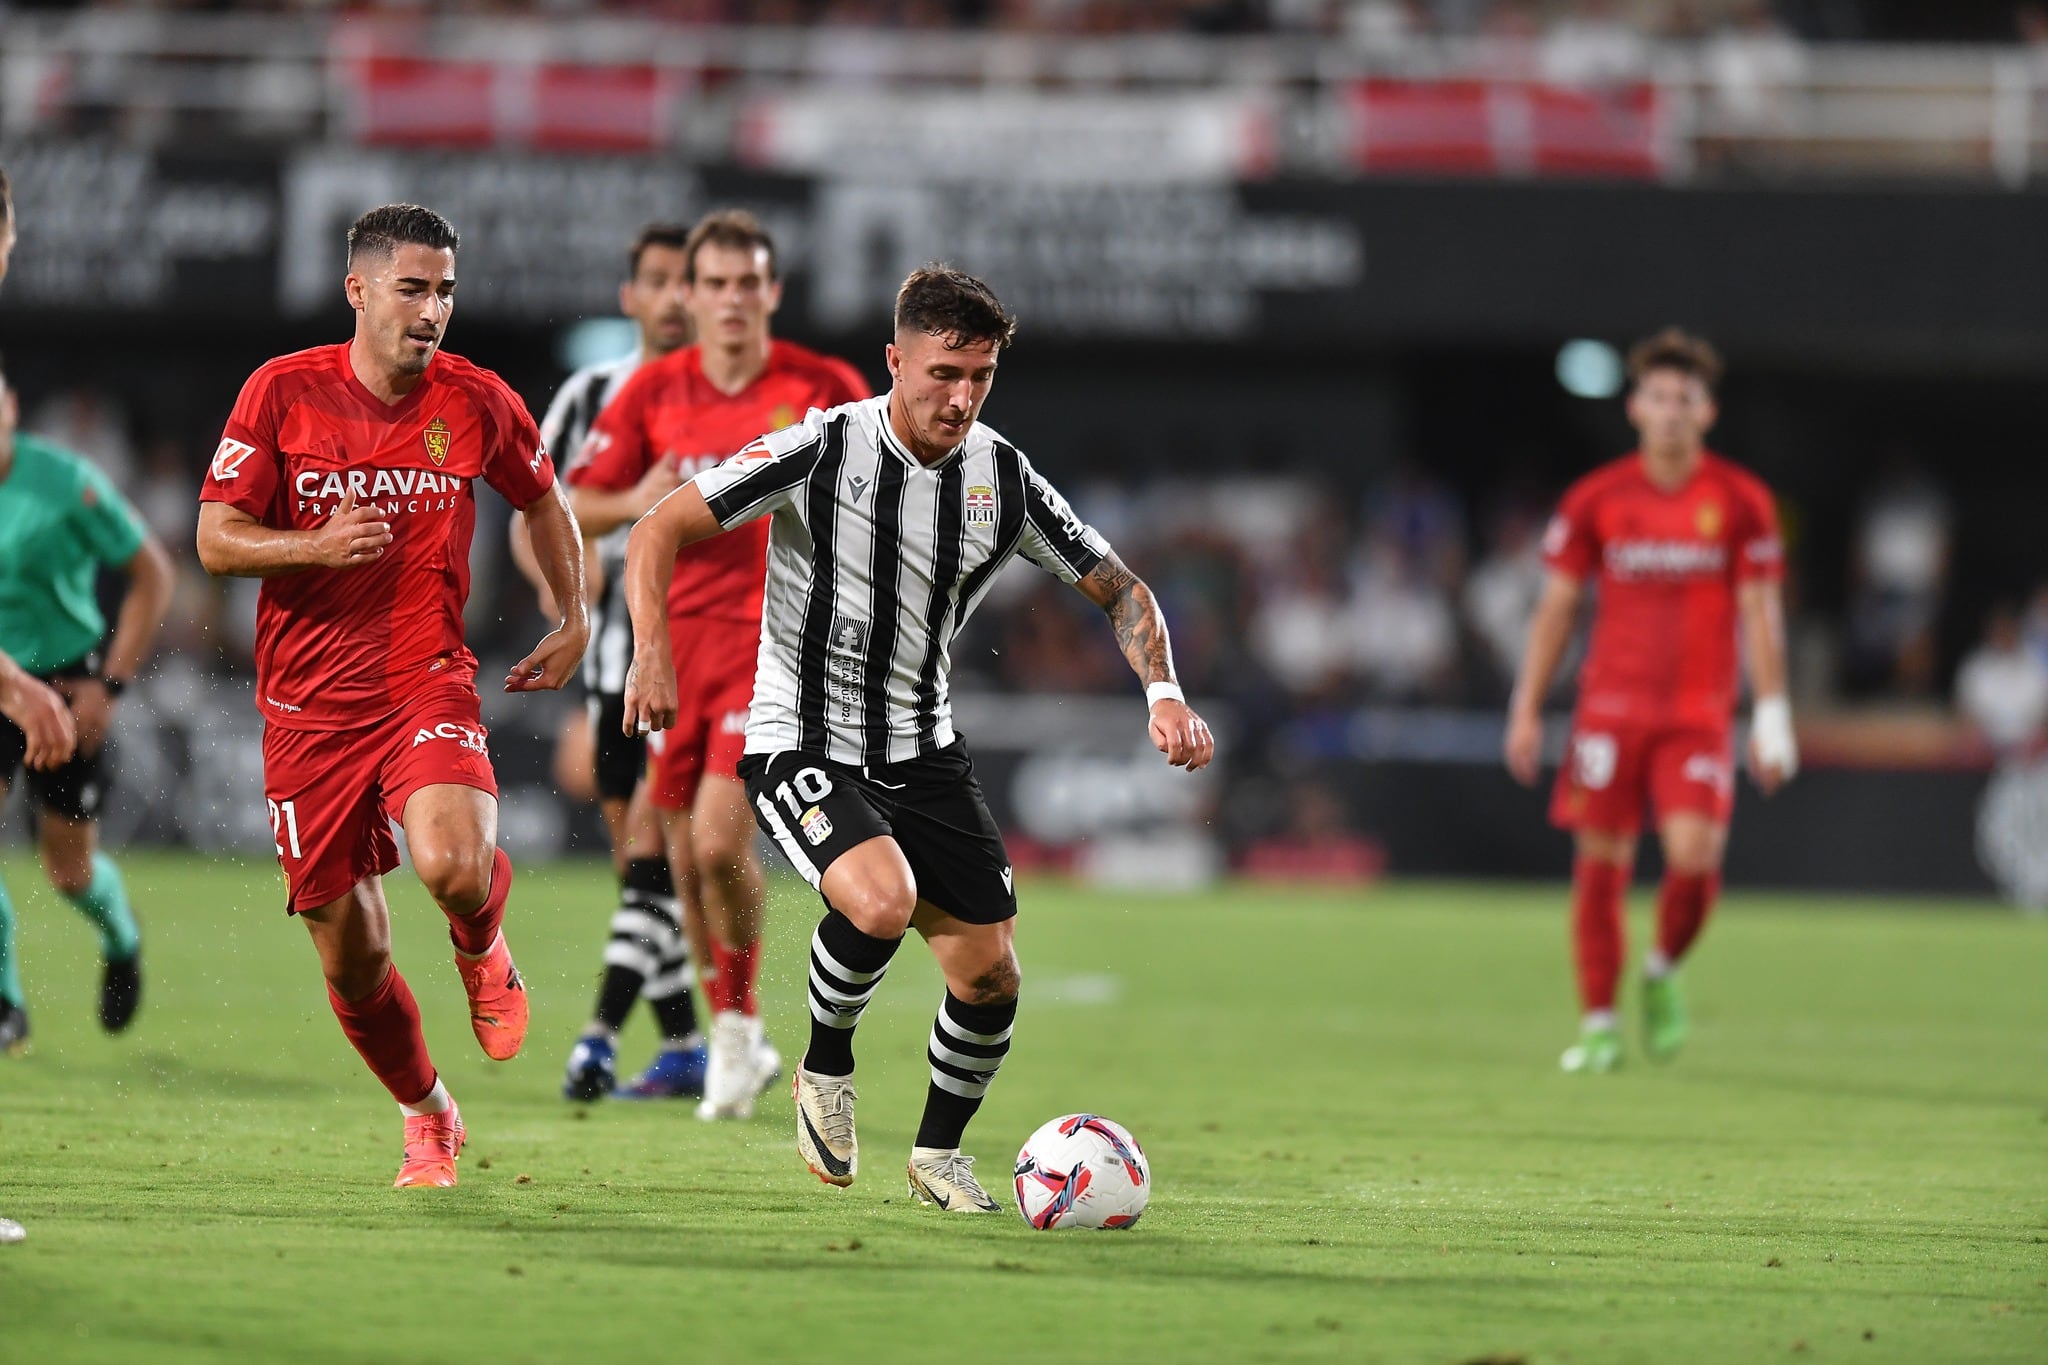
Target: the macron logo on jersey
pixel 227 460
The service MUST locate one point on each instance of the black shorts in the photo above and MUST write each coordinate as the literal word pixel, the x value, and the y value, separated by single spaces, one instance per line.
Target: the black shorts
pixel 815 810
pixel 76 790
pixel 621 758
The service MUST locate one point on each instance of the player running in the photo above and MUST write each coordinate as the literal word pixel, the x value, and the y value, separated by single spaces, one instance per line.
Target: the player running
pixel 344 481
pixel 1684 549
pixel 891 519
pixel 675 418
pixel 654 934
pixel 61 522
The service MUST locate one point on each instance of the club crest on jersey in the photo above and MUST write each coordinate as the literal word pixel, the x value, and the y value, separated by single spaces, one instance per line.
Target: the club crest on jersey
pixel 981 505
pixel 783 416
pixel 437 437
pixel 1709 519
pixel 817 826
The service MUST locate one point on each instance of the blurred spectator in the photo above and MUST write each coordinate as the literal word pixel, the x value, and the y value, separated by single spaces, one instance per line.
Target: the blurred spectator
pixel 1301 631
pixel 1404 633
pixel 1751 63
pixel 1501 594
pixel 1594 44
pixel 2035 623
pixel 1899 575
pixel 2002 688
pixel 92 423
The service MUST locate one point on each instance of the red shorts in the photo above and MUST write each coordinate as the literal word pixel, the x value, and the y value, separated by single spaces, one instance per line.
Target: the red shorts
pixel 714 688
pixel 1612 773
pixel 333 794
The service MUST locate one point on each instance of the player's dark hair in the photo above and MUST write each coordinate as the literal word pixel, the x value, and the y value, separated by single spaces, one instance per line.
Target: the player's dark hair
pixel 384 230
pixel 674 236
pixel 943 302
pixel 735 228
pixel 1674 348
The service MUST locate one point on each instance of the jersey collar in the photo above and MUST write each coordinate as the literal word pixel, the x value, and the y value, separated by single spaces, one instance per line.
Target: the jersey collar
pixel 390 412
pixel 905 454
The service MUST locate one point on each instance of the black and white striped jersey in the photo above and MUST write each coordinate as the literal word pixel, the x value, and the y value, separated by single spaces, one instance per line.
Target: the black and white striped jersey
pixel 874 563
pixel 569 418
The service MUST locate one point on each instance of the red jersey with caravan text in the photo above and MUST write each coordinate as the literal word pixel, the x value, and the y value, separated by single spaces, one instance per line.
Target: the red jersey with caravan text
pixel 341 648
pixel 668 408
pixel 1666 566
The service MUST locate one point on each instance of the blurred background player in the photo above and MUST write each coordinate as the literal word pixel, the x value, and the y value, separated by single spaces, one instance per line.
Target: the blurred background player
pixel 891 518
pixel 1683 549
pixel 61 522
pixel 655 935
pixel 675 418
pixel 345 482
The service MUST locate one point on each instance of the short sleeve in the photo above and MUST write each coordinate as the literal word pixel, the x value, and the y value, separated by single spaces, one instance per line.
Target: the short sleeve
pixel 613 455
pixel 111 526
pixel 765 476
pixel 245 467
pixel 517 462
pixel 1571 543
pixel 1759 547
pixel 1054 538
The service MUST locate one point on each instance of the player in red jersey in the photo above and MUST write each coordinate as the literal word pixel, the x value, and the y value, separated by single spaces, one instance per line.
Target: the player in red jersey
pixel 1683 548
pixel 690 410
pixel 344 481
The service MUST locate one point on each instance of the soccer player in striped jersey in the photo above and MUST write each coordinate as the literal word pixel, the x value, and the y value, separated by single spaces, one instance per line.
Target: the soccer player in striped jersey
pixel 654 933
pixel 1683 548
pixel 890 519
pixel 679 415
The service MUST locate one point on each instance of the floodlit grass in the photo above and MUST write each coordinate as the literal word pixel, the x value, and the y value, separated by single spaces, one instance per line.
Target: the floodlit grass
pixel 1363 1148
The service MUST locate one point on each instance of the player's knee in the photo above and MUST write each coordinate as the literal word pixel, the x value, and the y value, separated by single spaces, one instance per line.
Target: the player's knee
pixel 879 905
pixel 1602 847
pixel 725 858
pixel 360 974
pixel 69 877
pixel 458 879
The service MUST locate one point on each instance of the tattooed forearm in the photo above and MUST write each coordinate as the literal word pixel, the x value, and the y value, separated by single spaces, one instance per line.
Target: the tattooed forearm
pixel 1135 617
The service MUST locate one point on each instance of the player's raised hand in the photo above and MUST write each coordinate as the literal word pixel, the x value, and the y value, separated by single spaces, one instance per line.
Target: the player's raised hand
pixel 1181 735
pixel 650 694
pixel 36 708
pixel 1523 748
pixel 553 661
pixel 355 535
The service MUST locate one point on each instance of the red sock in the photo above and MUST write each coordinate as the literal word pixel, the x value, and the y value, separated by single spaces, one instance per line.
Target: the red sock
pixel 1682 910
pixel 1599 929
pixel 737 970
pixel 473 933
pixel 384 1026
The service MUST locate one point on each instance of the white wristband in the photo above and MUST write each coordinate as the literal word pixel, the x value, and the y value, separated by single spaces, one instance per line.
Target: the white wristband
pixel 1163 691
pixel 1770 726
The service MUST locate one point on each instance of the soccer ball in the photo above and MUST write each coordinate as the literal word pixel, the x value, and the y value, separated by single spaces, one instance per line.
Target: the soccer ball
pixel 1082 1171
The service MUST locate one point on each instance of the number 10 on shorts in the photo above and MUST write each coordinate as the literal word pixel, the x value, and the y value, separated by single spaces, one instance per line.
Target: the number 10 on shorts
pixel 284 826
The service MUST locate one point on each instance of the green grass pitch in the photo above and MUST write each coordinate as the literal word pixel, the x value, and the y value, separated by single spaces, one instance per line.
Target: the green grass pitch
pixel 1363 1147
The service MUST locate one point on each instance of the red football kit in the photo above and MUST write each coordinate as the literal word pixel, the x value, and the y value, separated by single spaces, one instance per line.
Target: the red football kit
pixel 367 690
pixel 668 409
pixel 1658 691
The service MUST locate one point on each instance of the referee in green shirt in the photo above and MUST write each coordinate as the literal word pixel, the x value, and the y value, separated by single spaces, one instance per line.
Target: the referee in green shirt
pixel 61 520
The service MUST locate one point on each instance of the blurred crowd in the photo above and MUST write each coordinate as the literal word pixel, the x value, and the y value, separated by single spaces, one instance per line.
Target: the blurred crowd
pixel 1286 597
pixel 1595 32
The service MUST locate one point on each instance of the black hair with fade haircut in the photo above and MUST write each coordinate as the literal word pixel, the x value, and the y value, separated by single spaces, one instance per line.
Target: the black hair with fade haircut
pixel 952 304
pixel 734 228
pixel 383 230
pixel 1674 348
pixel 674 236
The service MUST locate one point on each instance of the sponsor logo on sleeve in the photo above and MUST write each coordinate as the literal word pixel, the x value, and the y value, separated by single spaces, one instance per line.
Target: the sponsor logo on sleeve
pixel 227 459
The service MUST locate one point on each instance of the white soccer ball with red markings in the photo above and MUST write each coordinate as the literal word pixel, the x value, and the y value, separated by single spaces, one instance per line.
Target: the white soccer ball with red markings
pixel 1082 1171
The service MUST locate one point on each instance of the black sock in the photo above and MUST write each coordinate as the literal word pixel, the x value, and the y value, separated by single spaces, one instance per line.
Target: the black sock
pixel 846 966
pixel 968 1044
pixel 644 930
